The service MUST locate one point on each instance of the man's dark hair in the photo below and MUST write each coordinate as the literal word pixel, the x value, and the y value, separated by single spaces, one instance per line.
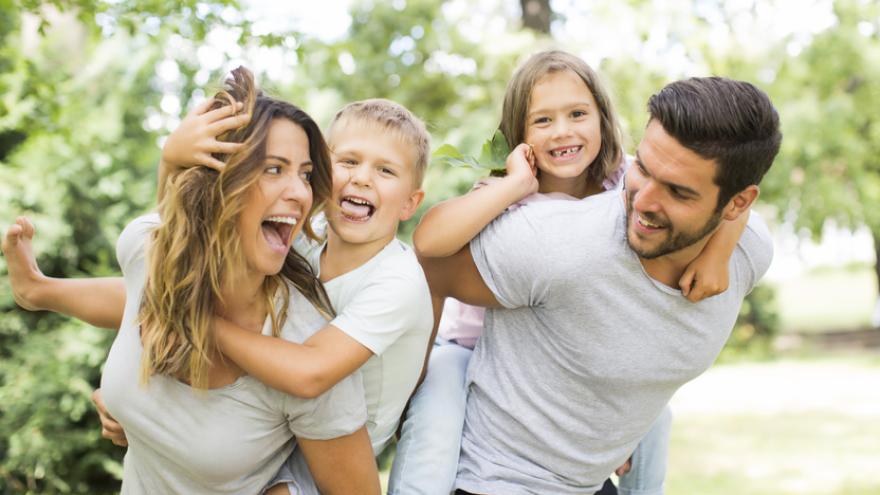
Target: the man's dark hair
pixel 731 122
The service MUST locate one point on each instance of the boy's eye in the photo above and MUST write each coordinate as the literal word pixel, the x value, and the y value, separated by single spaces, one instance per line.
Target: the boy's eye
pixel 347 161
pixel 386 170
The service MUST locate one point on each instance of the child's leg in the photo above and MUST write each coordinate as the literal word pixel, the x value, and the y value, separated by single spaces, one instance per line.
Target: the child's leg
pixel 649 460
pixel 427 453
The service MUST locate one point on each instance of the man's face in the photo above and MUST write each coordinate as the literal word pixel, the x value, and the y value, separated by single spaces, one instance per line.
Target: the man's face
pixel 671 196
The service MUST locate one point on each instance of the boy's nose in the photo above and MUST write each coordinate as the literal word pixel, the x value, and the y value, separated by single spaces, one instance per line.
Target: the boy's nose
pixel 361 174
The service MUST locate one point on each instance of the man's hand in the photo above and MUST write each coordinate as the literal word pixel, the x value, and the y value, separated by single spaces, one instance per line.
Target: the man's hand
pixel 110 429
pixel 24 274
pixel 623 469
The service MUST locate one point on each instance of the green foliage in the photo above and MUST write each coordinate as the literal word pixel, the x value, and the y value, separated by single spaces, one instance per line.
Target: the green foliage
pixel 756 326
pixel 493 156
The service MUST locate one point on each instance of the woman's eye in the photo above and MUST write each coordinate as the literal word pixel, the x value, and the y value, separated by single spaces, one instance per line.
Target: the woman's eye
pixel 274 169
pixel 306 176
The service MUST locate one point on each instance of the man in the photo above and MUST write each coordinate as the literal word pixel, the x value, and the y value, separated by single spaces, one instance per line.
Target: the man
pixel 591 335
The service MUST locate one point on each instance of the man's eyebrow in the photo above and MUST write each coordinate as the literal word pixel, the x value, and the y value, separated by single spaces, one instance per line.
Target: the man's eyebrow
pixel 672 185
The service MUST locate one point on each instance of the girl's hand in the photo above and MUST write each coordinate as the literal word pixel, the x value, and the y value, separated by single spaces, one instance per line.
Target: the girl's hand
pixel 703 278
pixel 193 142
pixel 25 276
pixel 521 167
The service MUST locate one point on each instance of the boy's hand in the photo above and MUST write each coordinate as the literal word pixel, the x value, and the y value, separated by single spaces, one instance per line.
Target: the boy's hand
pixel 193 142
pixel 521 167
pixel 704 278
pixel 24 274
pixel 110 429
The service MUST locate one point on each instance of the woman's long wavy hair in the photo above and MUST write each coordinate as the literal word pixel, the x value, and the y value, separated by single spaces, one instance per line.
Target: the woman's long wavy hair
pixel 197 248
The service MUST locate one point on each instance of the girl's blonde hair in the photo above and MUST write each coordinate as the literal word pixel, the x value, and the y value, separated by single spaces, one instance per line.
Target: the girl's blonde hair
pixel 197 248
pixel 519 93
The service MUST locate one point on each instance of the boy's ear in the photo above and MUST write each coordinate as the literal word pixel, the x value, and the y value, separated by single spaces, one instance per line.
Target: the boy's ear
pixel 412 204
pixel 741 202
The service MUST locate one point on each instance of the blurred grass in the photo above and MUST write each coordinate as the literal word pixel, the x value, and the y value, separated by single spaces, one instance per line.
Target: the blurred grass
pixel 827 299
pixel 772 443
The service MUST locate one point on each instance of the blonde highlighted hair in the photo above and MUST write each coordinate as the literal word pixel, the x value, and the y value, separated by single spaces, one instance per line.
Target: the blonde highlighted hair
pixel 519 93
pixel 197 247
pixel 391 117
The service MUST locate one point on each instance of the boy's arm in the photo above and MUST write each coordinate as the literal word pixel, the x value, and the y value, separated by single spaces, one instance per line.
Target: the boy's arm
pixel 97 301
pixel 305 370
pixel 195 140
pixel 708 274
pixel 451 224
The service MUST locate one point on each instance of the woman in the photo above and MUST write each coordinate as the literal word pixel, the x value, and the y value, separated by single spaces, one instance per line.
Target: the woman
pixel 220 246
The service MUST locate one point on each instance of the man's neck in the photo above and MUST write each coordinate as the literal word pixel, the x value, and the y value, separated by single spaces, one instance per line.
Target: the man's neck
pixel 669 268
pixel 340 257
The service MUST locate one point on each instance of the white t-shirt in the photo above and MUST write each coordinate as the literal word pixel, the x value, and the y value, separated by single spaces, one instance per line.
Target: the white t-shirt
pixel 385 305
pixel 230 439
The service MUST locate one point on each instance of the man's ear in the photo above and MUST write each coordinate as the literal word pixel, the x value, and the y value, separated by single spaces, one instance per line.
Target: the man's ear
pixel 412 204
pixel 741 202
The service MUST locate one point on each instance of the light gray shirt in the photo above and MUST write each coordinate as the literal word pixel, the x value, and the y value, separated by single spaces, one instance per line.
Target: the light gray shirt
pixel 569 377
pixel 230 439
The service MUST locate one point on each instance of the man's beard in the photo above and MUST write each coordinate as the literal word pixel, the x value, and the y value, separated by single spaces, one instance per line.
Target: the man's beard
pixel 675 240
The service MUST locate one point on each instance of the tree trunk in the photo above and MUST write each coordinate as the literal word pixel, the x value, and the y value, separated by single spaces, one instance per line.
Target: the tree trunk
pixel 536 15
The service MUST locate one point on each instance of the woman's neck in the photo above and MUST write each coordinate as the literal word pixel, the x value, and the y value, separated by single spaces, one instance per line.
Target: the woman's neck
pixel 243 302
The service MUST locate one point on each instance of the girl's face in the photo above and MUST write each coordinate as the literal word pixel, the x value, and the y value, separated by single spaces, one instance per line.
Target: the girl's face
pixel 278 203
pixel 563 126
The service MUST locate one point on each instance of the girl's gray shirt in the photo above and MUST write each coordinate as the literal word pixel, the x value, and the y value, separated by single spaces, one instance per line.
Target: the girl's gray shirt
pixel 231 439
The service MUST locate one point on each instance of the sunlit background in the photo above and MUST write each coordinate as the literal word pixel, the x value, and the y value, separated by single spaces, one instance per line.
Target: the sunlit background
pixel 89 89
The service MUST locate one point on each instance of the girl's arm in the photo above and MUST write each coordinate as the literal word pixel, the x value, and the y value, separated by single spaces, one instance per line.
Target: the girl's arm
pixel 342 465
pixel 450 225
pixel 195 140
pixel 305 370
pixel 97 301
pixel 708 275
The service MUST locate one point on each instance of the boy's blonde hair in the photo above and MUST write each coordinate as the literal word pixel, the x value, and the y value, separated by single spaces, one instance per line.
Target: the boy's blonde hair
pixel 394 118
pixel 519 94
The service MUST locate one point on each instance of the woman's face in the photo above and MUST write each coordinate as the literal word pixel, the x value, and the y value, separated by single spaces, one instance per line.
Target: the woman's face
pixel 278 203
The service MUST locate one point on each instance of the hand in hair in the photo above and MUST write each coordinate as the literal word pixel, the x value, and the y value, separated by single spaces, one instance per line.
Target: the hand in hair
pixel 195 142
pixel 521 165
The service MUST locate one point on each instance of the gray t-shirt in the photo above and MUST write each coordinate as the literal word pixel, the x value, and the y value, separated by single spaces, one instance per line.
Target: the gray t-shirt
pixel 569 377
pixel 231 439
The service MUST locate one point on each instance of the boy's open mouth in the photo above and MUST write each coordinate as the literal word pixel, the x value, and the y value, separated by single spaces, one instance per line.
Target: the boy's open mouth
pixel 278 230
pixel 356 209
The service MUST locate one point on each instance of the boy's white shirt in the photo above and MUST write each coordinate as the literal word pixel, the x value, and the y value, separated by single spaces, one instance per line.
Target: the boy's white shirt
pixel 385 305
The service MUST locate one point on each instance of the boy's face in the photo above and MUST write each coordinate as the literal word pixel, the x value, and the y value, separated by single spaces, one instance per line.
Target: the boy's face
pixel 373 183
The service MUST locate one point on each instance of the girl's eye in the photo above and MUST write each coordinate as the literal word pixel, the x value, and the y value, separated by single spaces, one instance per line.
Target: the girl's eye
pixel 541 120
pixel 578 113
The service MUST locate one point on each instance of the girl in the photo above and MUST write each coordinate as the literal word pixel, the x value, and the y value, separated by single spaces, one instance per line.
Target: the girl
pixel 194 422
pixel 559 121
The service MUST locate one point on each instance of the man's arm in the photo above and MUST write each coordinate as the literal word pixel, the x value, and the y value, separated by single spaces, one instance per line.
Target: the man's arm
pixel 97 301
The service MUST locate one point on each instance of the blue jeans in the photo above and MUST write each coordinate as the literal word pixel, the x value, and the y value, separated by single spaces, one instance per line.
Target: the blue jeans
pixel 426 462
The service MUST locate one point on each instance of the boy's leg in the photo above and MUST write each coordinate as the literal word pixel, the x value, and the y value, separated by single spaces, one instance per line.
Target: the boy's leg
pixel 426 461
pixel 649 460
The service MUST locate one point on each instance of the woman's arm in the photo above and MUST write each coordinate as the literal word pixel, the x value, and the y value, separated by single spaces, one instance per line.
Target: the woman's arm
pixel 708 275
pixel 343 465
pixel 451 224
pixel 96 301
